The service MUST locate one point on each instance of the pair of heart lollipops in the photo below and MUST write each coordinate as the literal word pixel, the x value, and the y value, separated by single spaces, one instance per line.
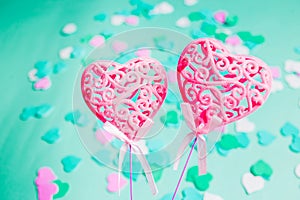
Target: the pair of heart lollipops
pixel 217 88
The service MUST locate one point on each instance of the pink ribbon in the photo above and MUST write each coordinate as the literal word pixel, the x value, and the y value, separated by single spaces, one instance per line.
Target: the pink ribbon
pixel 136 149
pixel 197 132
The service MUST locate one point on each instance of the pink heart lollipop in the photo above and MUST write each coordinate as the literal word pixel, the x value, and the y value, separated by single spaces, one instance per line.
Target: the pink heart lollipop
pixel 218 88
pixel 126 97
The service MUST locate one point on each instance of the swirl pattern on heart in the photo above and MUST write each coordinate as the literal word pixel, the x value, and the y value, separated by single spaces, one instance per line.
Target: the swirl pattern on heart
pixel 126 95
pixel 215 82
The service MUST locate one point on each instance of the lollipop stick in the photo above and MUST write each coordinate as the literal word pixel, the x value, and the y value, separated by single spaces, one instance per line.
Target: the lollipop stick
pixel 130 152
pixel 184 168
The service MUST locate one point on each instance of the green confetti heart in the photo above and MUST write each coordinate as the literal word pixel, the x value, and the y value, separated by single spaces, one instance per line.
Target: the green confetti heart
pixel 63 188
pixel 202 182
pixel 221 36
pixel 170 119
pixel 261 168
pixel 208 28
pixel 157 172
pixel 196 16
pixel 229 142
pixel 192 173
pixel 231 20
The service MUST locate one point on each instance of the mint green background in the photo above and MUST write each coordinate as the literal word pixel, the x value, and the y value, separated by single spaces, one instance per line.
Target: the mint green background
pixel 29 31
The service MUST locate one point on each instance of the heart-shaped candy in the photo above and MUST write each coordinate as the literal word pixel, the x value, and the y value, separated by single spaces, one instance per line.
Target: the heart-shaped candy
pixel 126 95
pixel 215 82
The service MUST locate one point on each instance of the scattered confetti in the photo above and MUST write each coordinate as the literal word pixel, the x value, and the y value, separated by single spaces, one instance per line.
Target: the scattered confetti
pixel 252 183
pixel 162 8
pixel 209 196
pixel 44 68
pixel 69 29
pixel 132 20
pixel 295 145
pixel 228 142
pixel 65 53
pixel 70 163
pixel 231 20
pixel 45 188
pixel 119 46
pixel 113 184
pixel 59 67
pixel 183 22
pixel 244 125
pixel 97 40
pixel 196 16
pixel 51 136
pixel 243 140
pixel 292 66
pixel 297 171
pixel 293 81
pixel 117 20
pixel 208 28
pixel 288 129
pixel 35 111
pixel 261 168
pixel 27 113
pixel 78 52
pixel 233 40
pixel 143 53
pixel 220 16
pixel 276 73
pixel 200 182
pixel 191 194
pixel 42 84
pixel 265 138
pixel 100 17
pixel 103 136
pixel 190 2
pixel 63 189
pixel 248 37
pixel 32 75
pixel 276 86
pixel 170 119
pixel 77 118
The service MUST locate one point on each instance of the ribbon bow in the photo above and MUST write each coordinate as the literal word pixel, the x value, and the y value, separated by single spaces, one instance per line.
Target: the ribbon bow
pixel 197 133
pixel 136 149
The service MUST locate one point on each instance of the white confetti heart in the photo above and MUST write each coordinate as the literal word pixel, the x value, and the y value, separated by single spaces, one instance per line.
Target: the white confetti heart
pixel 292 66
pixel 209 196
pixel 65 53
pixel 32 75
pixel 190 2
pixel 162 8
pixel 252 183
pixel 244 125
pixel 293 81
pixel 183 22
pixel 297 170
pixel 276 86
pixel 117 20
pixel 69 29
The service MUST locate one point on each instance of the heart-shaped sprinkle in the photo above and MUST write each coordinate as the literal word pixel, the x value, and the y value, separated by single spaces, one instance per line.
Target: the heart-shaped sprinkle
pixel 42 84
pixel 132 20
pixel 112 183
pixel 297 170
pixel 191 194
pixel 292 66
pixel 70 163
pixel 183 22
pixel 162 8
pixel 63 189
pixel 261 168
pixel 289 129
pixel 196 16
pixel 295 145
pixel 293 81
pixel 96 41
pixel 32 75
pixel 100 17
pixel 65 53
pixel 244 125
pixel 209 196
pixel 276 72
pixel 143 53
pixel 51 136
pixel 200 182
pixel 45 188
pixel 119 46
pixel 43 110
pixel 117 20
pixel 243 140
pixel 69 29
pixel 59 67
pixel 190 2
pixel 277 86
pixel 233 40
pixel 252 183
pixel 220 16
pixel 231 20
pixel 103 136
pixel 170 119
pixel 265 138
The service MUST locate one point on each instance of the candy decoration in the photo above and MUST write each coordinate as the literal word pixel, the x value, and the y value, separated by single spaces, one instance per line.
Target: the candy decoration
pixel 218 88
pixel 126 97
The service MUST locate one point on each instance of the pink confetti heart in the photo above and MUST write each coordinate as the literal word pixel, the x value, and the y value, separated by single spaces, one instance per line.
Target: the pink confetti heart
pixel 97 41
pixel 43 84
pixel 217 83
pixel 275 72
pixel 103 136
pixel 233 40
pixel 46 189
pixel 220 17
pixel 119 46
pixel 126 95
pixel 143 53
pixel 132 20
pixel 172 76
pixel 112 182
